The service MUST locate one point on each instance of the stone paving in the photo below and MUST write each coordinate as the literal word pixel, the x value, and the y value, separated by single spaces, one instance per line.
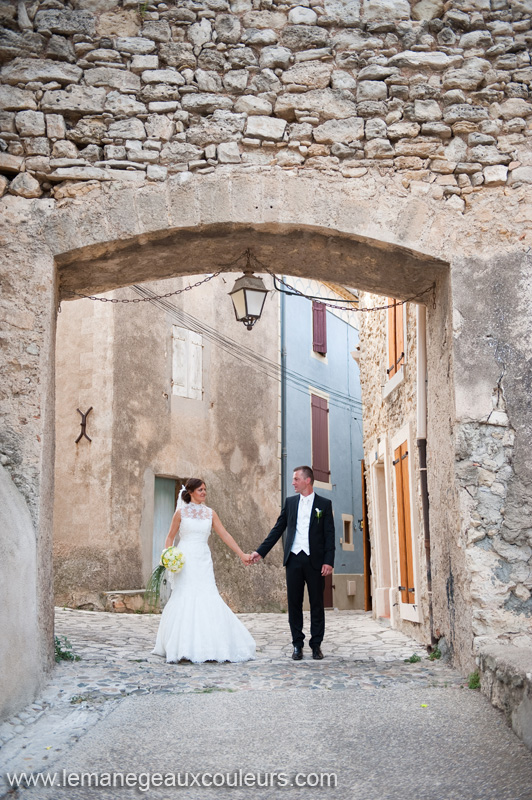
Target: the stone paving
pixel 116 661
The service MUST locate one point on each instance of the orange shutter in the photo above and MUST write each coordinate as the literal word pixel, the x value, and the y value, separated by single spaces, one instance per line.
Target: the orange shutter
pixel 404 526
pixel 396 339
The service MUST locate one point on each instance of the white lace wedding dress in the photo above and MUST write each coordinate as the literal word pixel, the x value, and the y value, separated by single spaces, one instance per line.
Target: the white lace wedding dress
pixel 196 624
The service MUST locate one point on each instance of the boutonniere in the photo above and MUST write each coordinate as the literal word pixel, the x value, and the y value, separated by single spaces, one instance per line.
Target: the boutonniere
pixel 319 513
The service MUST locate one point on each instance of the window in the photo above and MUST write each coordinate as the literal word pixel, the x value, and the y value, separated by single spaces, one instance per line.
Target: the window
pixel 319 328
pixel 396 344
pixel 404 524
pixel 347 539
pixel 320 438
pixel 187 350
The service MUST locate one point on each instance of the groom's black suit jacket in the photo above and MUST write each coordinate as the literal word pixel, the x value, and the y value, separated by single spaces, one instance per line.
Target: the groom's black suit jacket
pixel 321 531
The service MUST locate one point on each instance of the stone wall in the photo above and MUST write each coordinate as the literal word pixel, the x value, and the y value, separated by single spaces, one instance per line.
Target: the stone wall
pixel 438 93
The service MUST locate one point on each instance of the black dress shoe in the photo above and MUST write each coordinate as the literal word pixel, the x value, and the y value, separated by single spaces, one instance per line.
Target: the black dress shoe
pixel 316 653
pixel 297 655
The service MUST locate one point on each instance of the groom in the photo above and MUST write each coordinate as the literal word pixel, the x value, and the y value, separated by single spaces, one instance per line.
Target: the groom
pixel 308 557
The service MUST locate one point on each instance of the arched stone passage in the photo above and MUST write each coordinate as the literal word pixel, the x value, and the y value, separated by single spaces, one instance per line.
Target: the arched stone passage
pixel 373 236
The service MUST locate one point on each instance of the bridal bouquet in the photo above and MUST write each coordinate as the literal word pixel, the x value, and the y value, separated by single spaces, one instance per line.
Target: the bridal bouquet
pixel 172 560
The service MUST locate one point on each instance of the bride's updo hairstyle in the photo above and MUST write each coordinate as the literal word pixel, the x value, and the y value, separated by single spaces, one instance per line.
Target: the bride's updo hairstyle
pixel 190 486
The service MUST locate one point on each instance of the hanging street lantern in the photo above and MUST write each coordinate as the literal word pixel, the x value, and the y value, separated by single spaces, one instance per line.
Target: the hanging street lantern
pixel 248 296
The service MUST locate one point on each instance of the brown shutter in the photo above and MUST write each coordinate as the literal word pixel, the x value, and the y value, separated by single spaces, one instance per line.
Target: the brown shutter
pixel 320 438
pixel 319 327
pixel 404 526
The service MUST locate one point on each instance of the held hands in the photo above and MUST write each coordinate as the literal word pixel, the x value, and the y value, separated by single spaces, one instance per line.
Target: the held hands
pixel 250 558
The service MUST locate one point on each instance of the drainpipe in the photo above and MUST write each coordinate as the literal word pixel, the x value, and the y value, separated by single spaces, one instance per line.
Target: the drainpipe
pixel 283 398
pixel 421 383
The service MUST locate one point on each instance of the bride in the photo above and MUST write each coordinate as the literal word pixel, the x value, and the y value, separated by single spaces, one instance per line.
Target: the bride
pixel 196 624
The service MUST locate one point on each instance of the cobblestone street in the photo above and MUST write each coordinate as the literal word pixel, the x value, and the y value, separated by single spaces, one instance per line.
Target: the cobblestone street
pixel 362 658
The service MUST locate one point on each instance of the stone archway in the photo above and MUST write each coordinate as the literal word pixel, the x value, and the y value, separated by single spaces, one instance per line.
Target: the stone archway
pixel 370 235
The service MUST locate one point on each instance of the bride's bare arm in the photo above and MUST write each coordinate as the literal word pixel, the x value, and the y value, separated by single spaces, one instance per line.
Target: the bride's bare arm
pixel 174 527
pixel 227 538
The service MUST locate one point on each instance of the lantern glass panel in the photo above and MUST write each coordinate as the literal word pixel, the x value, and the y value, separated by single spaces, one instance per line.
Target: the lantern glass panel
pixel 239 302
pixel 255 301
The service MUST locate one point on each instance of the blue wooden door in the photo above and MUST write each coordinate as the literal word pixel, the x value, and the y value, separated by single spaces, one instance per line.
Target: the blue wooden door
pixel 163 511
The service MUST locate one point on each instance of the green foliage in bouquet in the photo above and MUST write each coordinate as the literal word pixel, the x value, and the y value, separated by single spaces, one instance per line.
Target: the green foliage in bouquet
pixel 171 559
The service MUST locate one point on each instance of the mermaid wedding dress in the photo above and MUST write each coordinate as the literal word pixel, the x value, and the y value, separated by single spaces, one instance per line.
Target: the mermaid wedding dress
pixel 196 624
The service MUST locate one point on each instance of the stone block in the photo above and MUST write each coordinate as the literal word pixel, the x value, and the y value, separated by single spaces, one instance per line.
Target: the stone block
pixel 489 155
pixel 427 10
pixel 36 146
pixel 401 130
pixel 427 111
pixel 371 90
pixel 425 60
pixel 30 123
pixel 178 54
pixel 417 148
pixel 24 70
pixel 236 81
pixel 311 74
pixel 55 126
pixel 515 107
pixel 77 100
pixel 205 103
pixel 345 130
pixel 521 175
pixel 385 10
pixel 341 79
pixel 179 153
pixel 123 105
pixel 64 149
pixel 127 129
pixel 228 28
pixel 159 126
pixel 9 163
pixel 120 79
pixel 168 76
pixel 141 63
pixel 136 45
pixel 220 127
pixel 158 30
pixel 4 183
pixel 376 72
pixel 200 33
pixel 302 16
pixel 260 38
pixel 327 103
pixel 208 80
pixel 442 167
pixel 253 106
pixel 114 152
pixel 88 131
pixel 304 37
pixel 13 99
pixel 375 129
pixel 469 76
pixel 67 23
pixel 463 112
pixel 379 148
pixel 343 12
pixel 228 153
pixel 80 174
pixel 264 19
pixel 275 58
pixel 495 176
pixel 25 185
pixel 266 128
pixel 156 172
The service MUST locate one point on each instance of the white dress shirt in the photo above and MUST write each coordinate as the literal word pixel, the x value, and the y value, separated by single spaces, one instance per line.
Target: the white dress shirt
pixel 304 511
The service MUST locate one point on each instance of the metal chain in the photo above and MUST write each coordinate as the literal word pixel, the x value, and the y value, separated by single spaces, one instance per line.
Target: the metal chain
pixel 248 255
pixel 147 299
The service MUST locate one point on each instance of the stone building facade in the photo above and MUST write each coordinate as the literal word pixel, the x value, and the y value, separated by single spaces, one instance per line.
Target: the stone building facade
pixel 383 145
pixel 169 401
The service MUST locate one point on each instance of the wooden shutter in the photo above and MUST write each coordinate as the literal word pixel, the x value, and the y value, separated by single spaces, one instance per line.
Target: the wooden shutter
pixel 319 327
pixel 320 438
pixel 396 344
pixel 404 525
pixel 187 363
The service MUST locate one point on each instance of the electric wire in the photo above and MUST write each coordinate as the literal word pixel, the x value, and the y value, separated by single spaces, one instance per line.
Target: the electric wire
pixel 260 363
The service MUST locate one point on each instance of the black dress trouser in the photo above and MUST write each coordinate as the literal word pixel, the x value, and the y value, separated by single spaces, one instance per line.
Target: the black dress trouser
pixel 299 571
